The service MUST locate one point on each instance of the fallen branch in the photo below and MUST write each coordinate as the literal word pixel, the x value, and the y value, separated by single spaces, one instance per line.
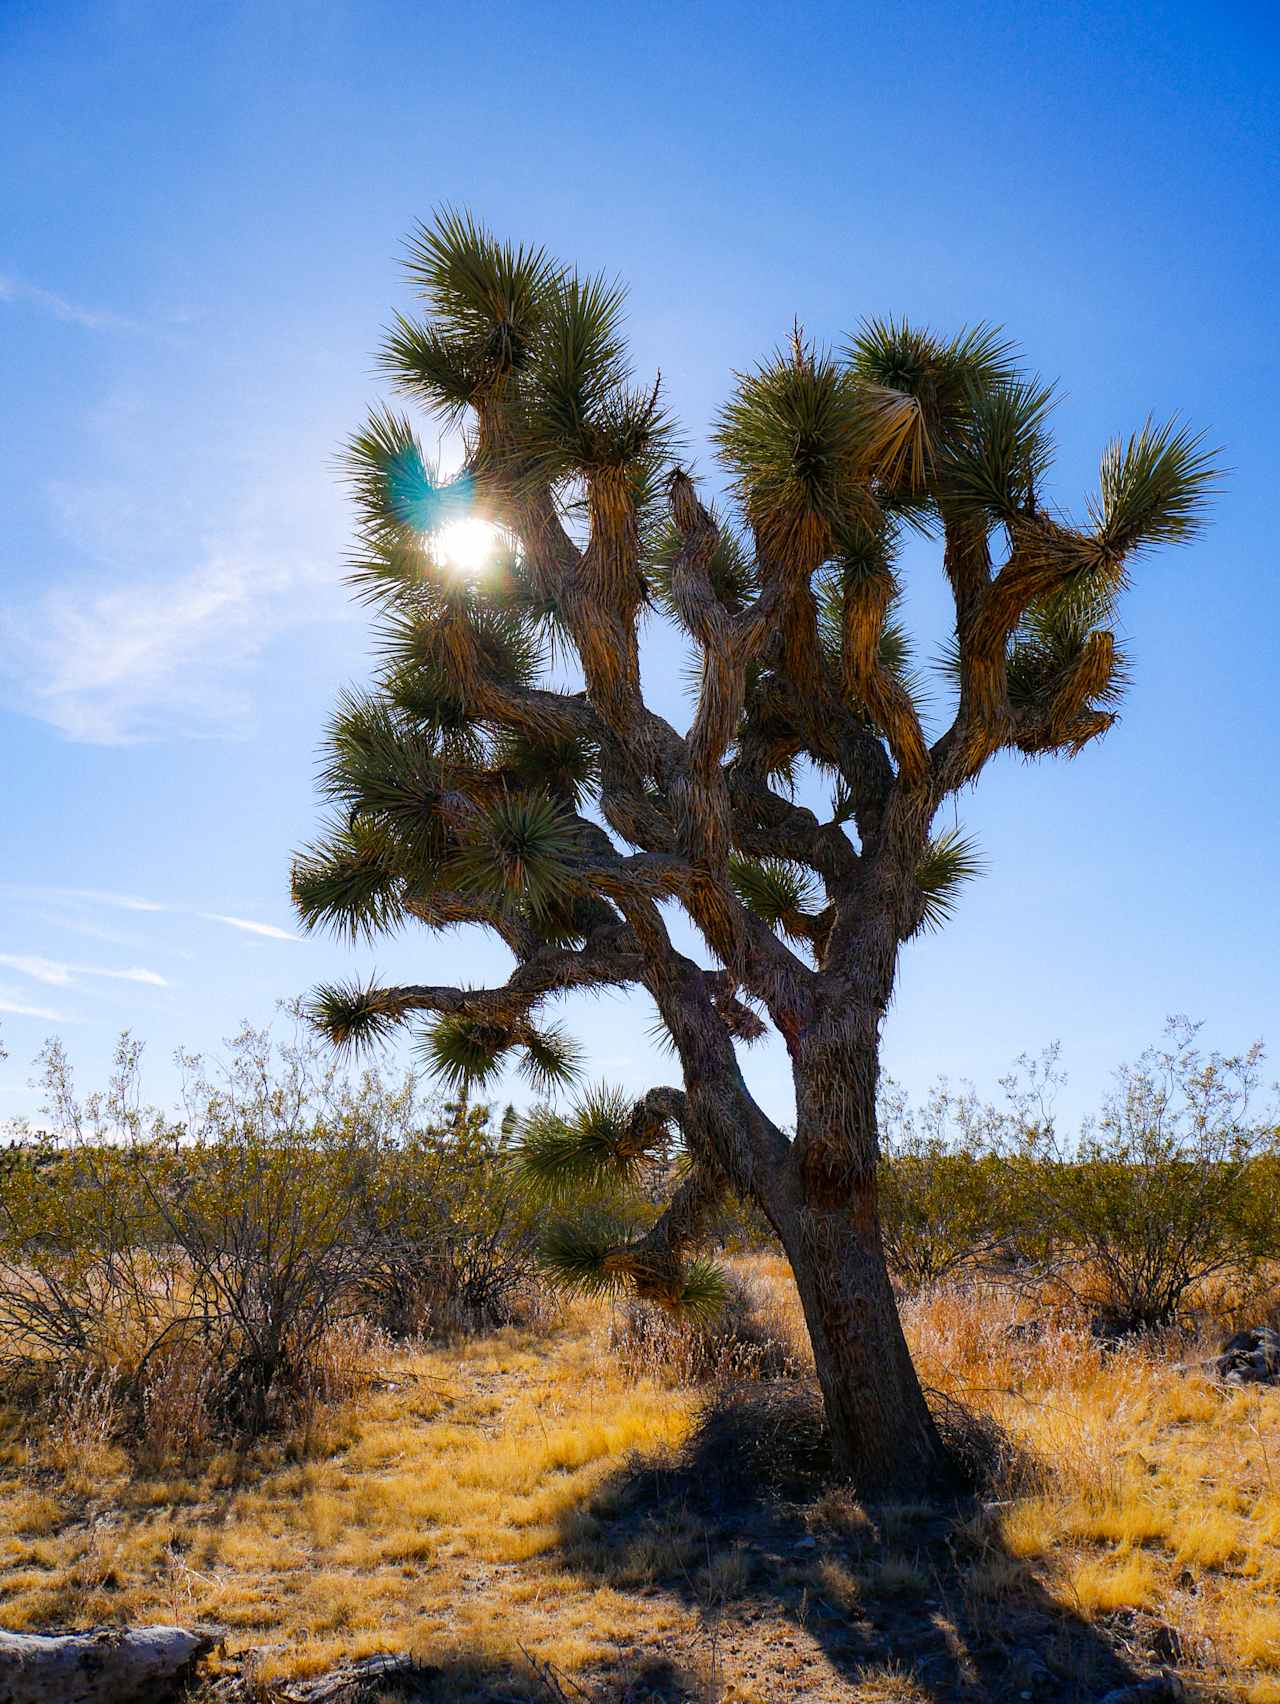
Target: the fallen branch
pixel 351 1683
pixel 106 1665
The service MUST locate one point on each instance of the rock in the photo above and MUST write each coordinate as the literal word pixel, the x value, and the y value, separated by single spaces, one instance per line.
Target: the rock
pixel 1032 1675
pixel 106 1665
pixel 1251 1356
pixel 1165 1644
pixel 1160 1689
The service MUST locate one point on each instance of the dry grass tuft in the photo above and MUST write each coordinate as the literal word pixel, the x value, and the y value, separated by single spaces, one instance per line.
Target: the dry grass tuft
pixel 420 1515
pixel 764 1437
pixel 753 1336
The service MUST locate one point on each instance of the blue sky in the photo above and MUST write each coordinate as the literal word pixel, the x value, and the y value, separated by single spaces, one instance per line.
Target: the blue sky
pixel 203 208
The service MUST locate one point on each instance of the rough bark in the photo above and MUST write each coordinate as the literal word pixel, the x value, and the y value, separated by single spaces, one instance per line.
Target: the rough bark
pixel 107 1665
pixel 882 1433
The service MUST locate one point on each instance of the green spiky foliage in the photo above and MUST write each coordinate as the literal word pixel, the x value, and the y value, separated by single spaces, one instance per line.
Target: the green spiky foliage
pixel 354 1015
pixel 1152 488
pixel 466 1053
pixel 550 1059
pixel 589 1255
pixel 949 861
pixel 923 395
pixel 782 895
pixel 599 1145
pixel 503 771
pixel 793 436
pixel 704 1291
pixel 517 854
pixel 730 566
pixel 576 1253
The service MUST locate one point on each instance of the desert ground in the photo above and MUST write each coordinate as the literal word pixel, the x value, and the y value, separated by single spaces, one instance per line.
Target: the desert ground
pixel 584 1506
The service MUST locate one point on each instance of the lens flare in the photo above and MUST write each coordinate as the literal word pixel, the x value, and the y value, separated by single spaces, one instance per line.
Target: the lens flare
pixel 468 546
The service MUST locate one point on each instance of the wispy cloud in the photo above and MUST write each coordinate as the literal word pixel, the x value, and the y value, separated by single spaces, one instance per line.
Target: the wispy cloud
pixel 60 975
pixel 90 929
pixel 17 1008
pixel 251 928
pixel 128 902
pixel 14 289
pixel 25 891
pixel 188 552
pixel 150 659
pixel 118 901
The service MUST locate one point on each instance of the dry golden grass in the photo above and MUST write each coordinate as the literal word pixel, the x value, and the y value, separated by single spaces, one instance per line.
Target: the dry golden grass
pixel 415 1520
pixel 447 1509
pixel 1161 1489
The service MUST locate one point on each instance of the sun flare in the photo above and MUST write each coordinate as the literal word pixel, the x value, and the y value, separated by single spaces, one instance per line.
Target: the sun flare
pixel 468 546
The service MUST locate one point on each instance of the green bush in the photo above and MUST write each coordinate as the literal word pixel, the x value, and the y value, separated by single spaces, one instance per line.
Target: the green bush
pixel 945 1204
pixel 218 1251
pixel 229 1240
pixel 453 1241
pixel 1173 1185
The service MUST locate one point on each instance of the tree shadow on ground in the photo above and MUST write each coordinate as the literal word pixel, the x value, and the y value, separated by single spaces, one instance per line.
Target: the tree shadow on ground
pixel 805 1593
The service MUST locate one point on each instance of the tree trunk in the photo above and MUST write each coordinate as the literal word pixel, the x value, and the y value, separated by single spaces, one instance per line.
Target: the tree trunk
pixel 882 1431
pixel 109 1665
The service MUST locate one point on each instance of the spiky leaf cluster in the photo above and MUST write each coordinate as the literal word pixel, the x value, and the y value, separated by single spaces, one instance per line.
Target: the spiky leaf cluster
pixel 516 854
pixel 704 1290
pixel 731 567
pixel 996 462
pixel 465 1053
pixel 591 1254
pixel 488 304
pixel 1153 487
pixel 594 1147
pixel 918 393
pixel 1056 636
pixel 575 1253
pixel 793 436
pixel 781 894
pixel 354 1015
pixel 949 861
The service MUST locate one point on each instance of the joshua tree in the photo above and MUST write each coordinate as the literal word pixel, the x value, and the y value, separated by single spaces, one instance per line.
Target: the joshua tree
pixel 474 785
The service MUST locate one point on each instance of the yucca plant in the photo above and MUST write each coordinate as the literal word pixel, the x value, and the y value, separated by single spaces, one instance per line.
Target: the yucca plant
pixel 467 788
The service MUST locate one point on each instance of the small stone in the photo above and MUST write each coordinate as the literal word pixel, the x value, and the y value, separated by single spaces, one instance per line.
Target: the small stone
pixel 1159 1689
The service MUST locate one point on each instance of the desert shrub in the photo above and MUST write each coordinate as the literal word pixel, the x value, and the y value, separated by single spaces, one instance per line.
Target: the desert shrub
pixel 745 1338
pixel 452 1244
pixel 945 1202
pixel 1172 1186
pixel 989 1459
pixel 196 1265
pixel 765 1436
pixel 85 1281
pixel 204 1265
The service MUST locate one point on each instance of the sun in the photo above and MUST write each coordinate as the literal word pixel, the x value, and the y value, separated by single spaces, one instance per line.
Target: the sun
pixel 468 546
